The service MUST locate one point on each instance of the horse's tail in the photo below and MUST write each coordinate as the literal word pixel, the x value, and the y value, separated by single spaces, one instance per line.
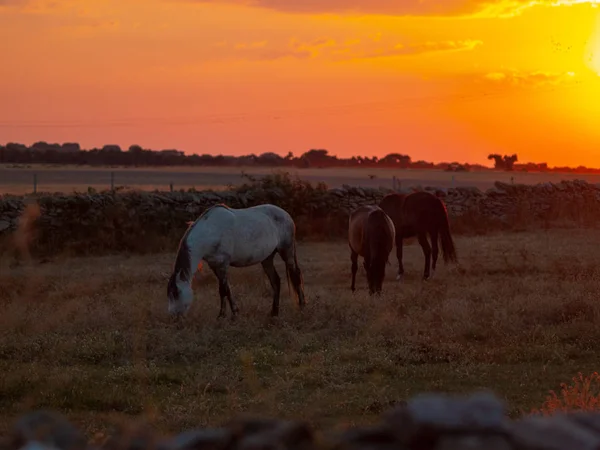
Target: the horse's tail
pixel 448 248
pixel 289 282
pixel 288 272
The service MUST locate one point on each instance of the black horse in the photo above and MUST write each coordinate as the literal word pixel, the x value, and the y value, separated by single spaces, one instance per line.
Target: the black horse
pixel 419 214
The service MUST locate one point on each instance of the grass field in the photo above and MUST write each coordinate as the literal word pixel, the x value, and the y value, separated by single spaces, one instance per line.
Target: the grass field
pixel 90 337
pixel 69 178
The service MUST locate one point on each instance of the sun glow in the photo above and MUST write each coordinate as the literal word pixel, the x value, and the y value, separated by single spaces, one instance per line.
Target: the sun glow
pixel 593 50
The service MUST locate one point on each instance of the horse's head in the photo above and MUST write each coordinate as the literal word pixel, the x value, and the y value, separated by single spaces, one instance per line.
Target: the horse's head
pixel 179 294
pixel 376 274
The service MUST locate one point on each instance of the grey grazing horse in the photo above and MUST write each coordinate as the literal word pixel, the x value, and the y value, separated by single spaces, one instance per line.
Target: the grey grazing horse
pixel 223 237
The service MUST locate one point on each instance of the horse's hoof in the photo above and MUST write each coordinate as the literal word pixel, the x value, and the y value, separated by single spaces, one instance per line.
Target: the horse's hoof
pixel 399 277
pixel 221 315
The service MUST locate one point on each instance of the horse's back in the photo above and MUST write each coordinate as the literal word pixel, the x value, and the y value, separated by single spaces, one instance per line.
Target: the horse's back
pixel 357 223
pixel 391 201
pixel 271 216
pixel 413 212
pixel 380 227
pixel 424 199
pixel 424 208
pixel 275 212
pixel 247 235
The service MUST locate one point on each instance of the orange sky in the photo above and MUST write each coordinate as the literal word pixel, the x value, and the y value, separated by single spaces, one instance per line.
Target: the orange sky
pixel 441 80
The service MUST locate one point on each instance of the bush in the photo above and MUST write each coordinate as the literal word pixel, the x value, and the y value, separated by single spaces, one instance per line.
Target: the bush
pixel 583 395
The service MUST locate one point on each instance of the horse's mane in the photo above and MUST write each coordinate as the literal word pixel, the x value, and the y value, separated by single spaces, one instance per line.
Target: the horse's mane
pixel 191 223
pixel 182 262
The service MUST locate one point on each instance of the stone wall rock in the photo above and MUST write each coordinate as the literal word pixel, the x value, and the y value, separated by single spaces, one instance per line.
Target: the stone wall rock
pixel 425 422
pixel 149 221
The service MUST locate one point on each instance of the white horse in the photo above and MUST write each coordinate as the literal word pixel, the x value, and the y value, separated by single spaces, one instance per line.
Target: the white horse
pixel 223 237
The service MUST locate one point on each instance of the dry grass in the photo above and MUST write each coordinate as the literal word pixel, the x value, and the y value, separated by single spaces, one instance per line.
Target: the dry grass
pixel 89 336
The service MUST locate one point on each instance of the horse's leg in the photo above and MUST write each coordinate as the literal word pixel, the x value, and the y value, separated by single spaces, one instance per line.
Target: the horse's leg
pixel 434 250
pixel 232 304
pixel 399 245
pixel 269 268
pixel 224 290
pixel 422 236
pixel 354 259
pixel 218 271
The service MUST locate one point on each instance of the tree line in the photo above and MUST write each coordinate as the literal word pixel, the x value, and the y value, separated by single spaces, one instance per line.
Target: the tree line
pixel 70 153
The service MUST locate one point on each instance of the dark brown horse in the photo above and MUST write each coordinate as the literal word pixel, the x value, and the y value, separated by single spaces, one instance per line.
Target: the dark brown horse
pixel 370 235
pixel 420 214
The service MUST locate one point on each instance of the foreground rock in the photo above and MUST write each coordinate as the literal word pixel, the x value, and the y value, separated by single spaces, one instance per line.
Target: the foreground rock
pixel 425 422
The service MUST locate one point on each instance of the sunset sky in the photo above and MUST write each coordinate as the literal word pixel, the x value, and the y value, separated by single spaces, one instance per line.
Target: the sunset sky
pixel 440 80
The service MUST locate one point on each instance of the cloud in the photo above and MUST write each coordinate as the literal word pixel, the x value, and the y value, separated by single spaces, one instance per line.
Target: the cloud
pixel 436 8
pixel 331 49
pixel 33 6
pixel 426 8
pixel 421 48
pixel 264 51
pixel 50 8
pixel 517 78
pixel 70 16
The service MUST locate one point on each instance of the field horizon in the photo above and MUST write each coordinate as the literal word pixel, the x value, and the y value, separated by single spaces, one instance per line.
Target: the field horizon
pixel 67 179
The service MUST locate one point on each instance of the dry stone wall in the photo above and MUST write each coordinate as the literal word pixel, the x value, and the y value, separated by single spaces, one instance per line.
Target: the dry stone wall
pixel 425 422
pixel 151 221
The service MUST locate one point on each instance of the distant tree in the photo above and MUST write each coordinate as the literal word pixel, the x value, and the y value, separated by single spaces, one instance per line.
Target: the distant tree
pixel 42 146
pixel 270 159
pixel 396 160
pixel 13 146
pixel 503 162
pixel 111 148
pixel 498 161
pixel 72 153
pixel 71 147
pixel 317 158
pixel 509 161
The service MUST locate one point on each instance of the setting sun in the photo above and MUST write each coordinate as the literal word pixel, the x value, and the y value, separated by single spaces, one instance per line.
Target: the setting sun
pixel 593 49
